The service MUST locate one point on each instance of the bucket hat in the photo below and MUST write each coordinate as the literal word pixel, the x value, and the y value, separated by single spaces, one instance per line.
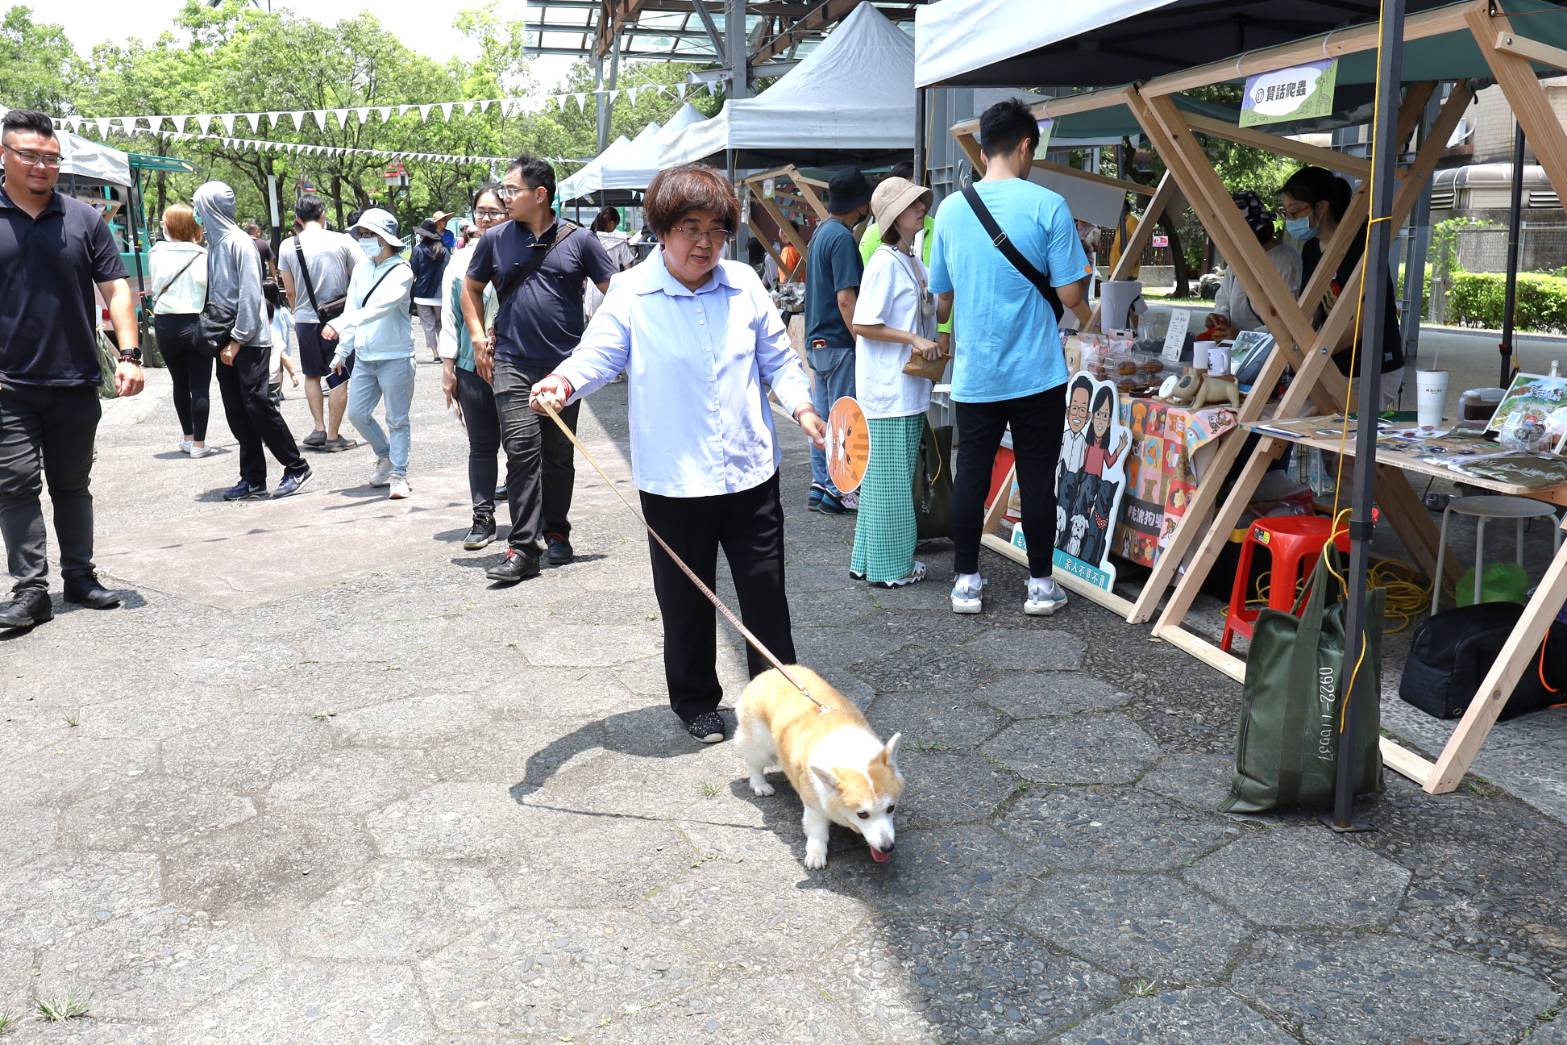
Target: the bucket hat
pixel 382 224
pixel 894 196
pixel 847 190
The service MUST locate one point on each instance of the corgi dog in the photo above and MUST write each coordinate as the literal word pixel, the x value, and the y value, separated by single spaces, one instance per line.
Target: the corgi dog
pixel 841 770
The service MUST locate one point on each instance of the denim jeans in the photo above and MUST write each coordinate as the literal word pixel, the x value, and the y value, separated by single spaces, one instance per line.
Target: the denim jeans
pixel 393 379
pixel 832 378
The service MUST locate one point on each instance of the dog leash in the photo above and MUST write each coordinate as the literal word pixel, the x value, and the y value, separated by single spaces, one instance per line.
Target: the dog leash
pixel 718 603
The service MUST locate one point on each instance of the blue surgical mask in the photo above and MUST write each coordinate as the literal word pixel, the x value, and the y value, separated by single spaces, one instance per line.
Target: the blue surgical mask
pixel 371 246
pixel 197 216
pixel 1300 229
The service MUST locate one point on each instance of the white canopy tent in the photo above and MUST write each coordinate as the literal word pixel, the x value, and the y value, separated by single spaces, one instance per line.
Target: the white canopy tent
pixel 956 37
pixel 854 93
pixel 636 167
pixel 590 178
pixel 89 159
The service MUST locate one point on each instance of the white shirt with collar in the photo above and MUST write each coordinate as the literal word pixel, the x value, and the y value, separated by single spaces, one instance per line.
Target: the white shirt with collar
pixel 699 365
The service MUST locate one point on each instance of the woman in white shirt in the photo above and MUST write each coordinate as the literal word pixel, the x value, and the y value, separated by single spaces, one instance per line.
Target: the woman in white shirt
pixel 894 319
pixel 1232 310
pixel 701 345
pixel 179 290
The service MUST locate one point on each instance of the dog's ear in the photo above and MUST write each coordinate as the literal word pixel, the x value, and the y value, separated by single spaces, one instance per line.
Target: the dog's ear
pixel 889 752
pixel 826 778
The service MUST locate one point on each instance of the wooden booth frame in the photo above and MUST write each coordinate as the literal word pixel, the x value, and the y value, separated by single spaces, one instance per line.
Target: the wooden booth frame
pixel 804 190
pixel 1203 530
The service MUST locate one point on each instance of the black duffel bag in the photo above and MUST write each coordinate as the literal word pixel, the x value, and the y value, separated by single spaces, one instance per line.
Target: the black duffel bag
pixel 1455 649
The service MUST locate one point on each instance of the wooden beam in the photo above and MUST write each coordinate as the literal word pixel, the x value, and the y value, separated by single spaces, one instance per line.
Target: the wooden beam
pixel 1280 145
pixel 1405 762
pixel 819 17
pixel 787 230
pixel 806 190
pixel 1329 45
pixel 1535 51
pixel 1541 125
pixel 1098 179
pixel 1067 105
pixel 1132 250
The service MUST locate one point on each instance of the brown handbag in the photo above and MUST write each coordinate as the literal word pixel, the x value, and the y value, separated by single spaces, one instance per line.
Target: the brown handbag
pixel 929 369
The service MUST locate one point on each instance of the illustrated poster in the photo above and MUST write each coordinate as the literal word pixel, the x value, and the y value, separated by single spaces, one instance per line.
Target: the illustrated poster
pixel 1090 480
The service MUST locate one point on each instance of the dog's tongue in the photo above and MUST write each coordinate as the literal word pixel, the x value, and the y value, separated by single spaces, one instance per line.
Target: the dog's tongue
pixel 879 856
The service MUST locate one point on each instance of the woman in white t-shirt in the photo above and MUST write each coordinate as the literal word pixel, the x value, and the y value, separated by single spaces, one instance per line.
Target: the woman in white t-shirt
pixel 894 318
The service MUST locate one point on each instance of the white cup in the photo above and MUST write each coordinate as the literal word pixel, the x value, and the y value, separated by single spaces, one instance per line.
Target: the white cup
pixel 1431 392
pixel 1219 360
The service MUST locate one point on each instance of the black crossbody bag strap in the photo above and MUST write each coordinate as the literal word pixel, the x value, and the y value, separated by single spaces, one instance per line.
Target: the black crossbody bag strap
pixel 310 284
pixel 563 230
pixel 1009 250
pixel 376 285
pixel 157 295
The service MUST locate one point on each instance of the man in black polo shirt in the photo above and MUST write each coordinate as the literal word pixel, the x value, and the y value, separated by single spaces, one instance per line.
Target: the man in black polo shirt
pixel 53 250
pixel 538 266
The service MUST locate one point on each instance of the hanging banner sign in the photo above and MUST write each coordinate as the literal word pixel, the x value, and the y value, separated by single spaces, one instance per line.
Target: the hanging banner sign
pixel 1302 92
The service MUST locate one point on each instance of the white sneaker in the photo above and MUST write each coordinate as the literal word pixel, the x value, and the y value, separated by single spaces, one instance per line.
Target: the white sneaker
pixel 400 488
pixel 382 476
pixel 186 446
pixel 968 595
pixel 198 452
pixel 1045 596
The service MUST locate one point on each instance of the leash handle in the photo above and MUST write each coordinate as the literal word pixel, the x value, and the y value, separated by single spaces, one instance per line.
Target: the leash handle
pixel 718 603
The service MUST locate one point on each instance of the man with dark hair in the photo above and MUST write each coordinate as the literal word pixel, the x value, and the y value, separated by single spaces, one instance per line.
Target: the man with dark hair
pixel 328 259
pixel 53 251
pixel 1008 367
pixel 538 265
pixel 832 284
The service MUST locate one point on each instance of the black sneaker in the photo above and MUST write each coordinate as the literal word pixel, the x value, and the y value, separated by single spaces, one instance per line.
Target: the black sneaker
pixel 314 440
pixel 29 609
pixel 516 566
pixel 292 484
pixel 558 549
pixel 244 490
pixel 500 492
pixel 708 727
pixel 482 533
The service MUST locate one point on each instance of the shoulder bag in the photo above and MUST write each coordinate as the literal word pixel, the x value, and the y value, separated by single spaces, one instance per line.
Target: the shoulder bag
pixel 525 271
pixel 325 311
pixel 918 365
pixel 215 325
pixel 1009 251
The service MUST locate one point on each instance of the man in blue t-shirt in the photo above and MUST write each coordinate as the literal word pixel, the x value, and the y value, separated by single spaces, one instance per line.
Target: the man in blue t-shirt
pixel 1008 367
pixel 832 284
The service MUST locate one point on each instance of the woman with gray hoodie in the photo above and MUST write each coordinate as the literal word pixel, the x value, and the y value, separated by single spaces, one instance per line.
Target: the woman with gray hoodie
pixel 234 285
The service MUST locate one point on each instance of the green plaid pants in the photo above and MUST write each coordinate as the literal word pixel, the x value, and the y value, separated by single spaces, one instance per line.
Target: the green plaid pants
pixel 885 531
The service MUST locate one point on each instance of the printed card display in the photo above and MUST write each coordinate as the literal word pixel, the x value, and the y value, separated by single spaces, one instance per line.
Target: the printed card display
pixel 1090 480
pixel 1175 335
pixel 1302 92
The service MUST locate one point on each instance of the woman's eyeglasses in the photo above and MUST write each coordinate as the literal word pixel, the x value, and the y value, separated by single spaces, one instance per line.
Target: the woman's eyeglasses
pixel 693 235
pixel 489 214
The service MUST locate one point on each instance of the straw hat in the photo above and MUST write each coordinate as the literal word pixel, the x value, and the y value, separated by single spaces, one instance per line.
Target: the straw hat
pixel 894 196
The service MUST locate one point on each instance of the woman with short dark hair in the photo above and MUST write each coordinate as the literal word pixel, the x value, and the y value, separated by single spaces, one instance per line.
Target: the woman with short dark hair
pixel 692 329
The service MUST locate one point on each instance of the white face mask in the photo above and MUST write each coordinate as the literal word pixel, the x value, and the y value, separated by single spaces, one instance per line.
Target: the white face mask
pixel 166 233
pixel 371 245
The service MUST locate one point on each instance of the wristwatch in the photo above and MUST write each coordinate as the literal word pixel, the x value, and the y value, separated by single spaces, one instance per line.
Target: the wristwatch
pixel 130 355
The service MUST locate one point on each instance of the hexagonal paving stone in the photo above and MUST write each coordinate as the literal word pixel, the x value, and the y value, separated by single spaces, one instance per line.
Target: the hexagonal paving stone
pixel 948 719
pixel 29 832
pixel 917 978
pixel 756 915
pixel 583 860
pixel 456 822
pixel 415 722
pixel 147 717
pixel 588 645
pixel 1303 876
pixel 266 863
pixel 514 751
pixel 1200 1016
pixel 554 973
pixel 1200 781
pixel 94 1031
pixel 942 788
pixel 1044 694
pixel 1113 829
pixel 916 668
pixel 1089 749
pixel 352 780
pixel 75 763
pixel 969 869
pixel 1386 987
pixel 396 911
pixel 1146 926
pixel 1027 649
pixel 154 966
pixel 150 814
pixel 779 1010
pixel 248 753
pixel 614 784
pixel 66 892
pixel 314 1002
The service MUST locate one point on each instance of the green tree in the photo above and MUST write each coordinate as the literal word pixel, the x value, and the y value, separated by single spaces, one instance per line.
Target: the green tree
pixel 39 69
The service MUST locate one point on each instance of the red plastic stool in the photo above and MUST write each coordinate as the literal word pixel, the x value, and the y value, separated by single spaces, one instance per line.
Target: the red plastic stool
pixel 1294 543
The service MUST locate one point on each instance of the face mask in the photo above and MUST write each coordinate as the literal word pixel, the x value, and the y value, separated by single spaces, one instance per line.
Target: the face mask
pixel 371 246
pixel 198 219
pixel 1300 228
pixel 166 233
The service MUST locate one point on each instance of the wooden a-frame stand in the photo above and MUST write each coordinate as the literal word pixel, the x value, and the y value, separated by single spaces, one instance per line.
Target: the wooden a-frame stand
pixel 796 187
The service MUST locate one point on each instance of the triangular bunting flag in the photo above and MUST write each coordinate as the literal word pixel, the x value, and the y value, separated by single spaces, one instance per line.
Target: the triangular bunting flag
pixel 424 113
pixel 446 111
pixel 386 112
pixel 320 115
pixel 680 91
pixel 363 113
pixel 103 127
pixel 227 120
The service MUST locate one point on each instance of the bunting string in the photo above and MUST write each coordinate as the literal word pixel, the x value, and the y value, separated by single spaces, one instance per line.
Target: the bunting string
pixel 302 149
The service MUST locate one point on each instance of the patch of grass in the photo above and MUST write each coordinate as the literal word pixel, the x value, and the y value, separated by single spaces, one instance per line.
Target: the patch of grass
pixel 74 719
pixel 930 746
pixel 1144 989
pixel 708 789
pixel 58 1010
pixel 5 1024
pixel 394 667
pixel 322 716
pixel 1549 1015
pixel 1481 787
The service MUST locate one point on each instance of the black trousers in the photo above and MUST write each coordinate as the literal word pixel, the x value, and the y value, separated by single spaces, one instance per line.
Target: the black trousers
pixel 1036 422
pixel 254 418
pixel 749 527
pixel 541 469
pixel 190 371
pixel 477 400
pixel 46 433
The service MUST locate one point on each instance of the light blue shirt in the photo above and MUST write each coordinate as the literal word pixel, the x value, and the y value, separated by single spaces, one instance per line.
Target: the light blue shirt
pixel 376 327
pixel 1005 343
pixel 698 365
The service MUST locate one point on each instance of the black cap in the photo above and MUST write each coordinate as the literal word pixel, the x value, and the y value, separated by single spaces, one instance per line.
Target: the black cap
pixel 847 190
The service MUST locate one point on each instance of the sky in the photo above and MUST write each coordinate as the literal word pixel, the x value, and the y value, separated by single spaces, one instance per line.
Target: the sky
pixel 421 24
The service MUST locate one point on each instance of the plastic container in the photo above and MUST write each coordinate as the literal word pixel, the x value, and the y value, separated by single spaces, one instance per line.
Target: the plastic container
pixel 1478 404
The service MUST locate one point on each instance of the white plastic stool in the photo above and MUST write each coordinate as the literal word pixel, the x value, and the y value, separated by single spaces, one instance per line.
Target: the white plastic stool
pixel 1494 506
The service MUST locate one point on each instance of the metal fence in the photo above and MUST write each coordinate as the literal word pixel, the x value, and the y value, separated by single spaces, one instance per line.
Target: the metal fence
pixel 1542 247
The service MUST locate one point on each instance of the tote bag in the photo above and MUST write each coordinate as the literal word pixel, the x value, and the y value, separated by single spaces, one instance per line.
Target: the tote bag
pixel 933 483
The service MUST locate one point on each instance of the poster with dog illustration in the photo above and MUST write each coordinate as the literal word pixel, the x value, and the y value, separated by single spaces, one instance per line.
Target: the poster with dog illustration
pixel 1090 480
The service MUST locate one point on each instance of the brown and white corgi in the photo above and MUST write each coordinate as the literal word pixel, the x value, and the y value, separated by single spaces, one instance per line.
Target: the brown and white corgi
pixel 841 770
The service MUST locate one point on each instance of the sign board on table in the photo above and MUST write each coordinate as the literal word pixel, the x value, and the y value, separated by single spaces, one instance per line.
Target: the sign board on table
pixel 1301 92
pixel 1175 335
pixel 848 444
pixel 1090 480
pixel 1161 241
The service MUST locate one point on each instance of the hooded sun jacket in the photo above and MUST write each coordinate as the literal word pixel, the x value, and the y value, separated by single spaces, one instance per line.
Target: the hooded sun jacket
pixel 233 266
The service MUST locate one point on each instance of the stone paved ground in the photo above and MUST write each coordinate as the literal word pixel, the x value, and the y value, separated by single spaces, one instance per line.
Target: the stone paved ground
pixel 318 783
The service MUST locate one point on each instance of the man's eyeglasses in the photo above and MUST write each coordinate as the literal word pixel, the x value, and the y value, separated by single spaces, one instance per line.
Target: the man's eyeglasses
pixel 507 193
pixel 487 213
pixel 692 234
pixel 37 159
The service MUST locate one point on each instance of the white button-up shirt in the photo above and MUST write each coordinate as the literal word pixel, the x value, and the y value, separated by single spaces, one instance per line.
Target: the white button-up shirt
pixel 698 365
